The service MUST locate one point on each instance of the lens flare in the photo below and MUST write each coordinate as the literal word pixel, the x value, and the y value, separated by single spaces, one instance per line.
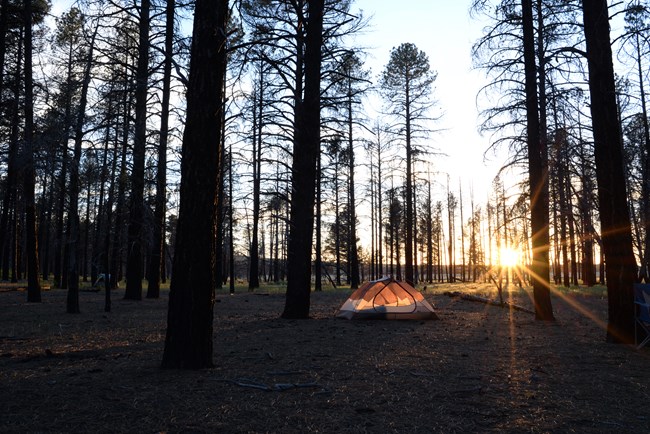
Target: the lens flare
pixel 509 257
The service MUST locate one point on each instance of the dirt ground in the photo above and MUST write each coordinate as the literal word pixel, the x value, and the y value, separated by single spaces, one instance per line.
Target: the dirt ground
pixel 479 368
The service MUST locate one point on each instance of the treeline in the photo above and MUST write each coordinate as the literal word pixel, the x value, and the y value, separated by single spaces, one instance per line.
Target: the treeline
pixel 102 85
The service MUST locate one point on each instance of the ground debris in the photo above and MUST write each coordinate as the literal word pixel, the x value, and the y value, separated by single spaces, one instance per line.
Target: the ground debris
pixel 319 375
pixel 491 302
pixel 276 387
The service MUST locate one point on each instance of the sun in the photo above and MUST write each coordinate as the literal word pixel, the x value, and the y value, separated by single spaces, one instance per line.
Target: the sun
pixel 510 257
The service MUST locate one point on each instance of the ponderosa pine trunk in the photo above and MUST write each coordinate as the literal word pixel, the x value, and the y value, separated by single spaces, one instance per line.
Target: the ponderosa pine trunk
pixel 188 343
pixel 9 266
pixel 136 206
pixel 352 232
pixel 8 187
pixel 72 301
pixel 31 244
pixel 231 224
pixel 318 260
pixel 4 14
pixel 116 256
pixel 616 231
pixel 645 265
pixel 408 241
pixel 305 153
pixel 538 175
pixel 158 239
pixel 258 116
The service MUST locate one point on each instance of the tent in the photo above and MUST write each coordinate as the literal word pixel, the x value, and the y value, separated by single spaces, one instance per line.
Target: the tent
pixel 386 299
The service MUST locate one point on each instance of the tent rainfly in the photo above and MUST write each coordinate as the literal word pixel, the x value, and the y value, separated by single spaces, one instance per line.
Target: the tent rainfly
pixel 386 299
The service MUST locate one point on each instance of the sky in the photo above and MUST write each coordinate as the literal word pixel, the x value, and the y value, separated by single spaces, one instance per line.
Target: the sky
pixel 444 30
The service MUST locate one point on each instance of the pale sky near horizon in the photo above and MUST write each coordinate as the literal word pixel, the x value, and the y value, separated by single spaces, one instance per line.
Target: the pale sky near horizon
pixel 445 32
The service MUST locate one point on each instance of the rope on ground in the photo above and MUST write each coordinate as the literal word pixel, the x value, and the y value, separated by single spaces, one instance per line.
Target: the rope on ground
pixel 277 387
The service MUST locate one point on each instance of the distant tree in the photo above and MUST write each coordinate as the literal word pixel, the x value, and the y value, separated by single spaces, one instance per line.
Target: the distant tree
pixel 258 112
pixel 560 178
pixel 188 343
pixel 406 85
pixel 352 85
pixel 338 157
pixel 340 232
pixel 394 232
pixel 426 235
pixel 439 240
pixel 376 149
pixel 476 254
pixel 452 204
pixel 585 208
pixel 462 233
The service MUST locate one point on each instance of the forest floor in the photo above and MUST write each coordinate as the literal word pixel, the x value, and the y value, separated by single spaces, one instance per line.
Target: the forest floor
pixel 480 368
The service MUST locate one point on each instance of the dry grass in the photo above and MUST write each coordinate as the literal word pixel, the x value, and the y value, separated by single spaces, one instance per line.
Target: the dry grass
pixel 479 369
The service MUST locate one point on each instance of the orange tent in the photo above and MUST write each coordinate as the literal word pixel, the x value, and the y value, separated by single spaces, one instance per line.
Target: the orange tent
pixel 386 299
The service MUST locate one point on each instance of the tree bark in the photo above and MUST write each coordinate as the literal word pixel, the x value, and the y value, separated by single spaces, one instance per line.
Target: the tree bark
pixel 538 175
pixel 31 244
pixel 7 194
pixel 4 13
pixel 353 257
pixel 136 208
pixel 254 275
pixel 408 241
pixel 231 221
pixel 72 303
pixel 305 153
pixel 620 265
pixel 188 343
pixel 318 261
pixel 645 265
pixel 158 239
pixel 9 260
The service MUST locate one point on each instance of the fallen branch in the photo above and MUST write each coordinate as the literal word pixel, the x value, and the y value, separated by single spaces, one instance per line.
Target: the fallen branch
pixel 278 387
pixel 476 298
pixel 250 385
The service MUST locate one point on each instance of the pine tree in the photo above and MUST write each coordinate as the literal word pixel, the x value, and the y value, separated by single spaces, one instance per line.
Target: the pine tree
pixel 406 84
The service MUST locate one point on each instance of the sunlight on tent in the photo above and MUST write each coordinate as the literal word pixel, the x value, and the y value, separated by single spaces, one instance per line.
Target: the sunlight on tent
pixel 386 299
